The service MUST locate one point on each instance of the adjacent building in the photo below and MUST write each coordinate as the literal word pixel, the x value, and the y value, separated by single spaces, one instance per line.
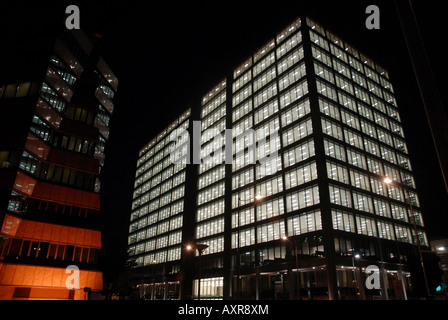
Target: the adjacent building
pixel 304 185
pixel 56 101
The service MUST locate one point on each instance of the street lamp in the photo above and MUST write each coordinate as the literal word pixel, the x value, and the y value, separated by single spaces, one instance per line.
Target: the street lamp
pixel 355 278
pixel 389 181
pixel 258 197
pixel 200 248
pixel 295 243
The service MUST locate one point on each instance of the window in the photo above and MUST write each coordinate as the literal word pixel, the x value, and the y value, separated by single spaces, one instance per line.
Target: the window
pixel 264 78
pixel 403 161
pixel 365 111
pixel 213 104
pixel 400 144
pixel 332 129
pixel 388 154
pixel 211 176
pixel 297 132
pixel 246 237
pixel 378 186
pixel 293 94
pixel 271 231
pixel 210 227
pixel 242 110
pixel 319 40
pixel 381 208
pixel 210 287
pixel 385 230
pixel 305 222
pixel 362 95
pixel 329 109
pixel 341 68
pixel 243 197
pixel 334 150
pixel 241 81
pixel 353 139
pixel 344 84
pixel 289 60
pixel 210 193
pixel 368 129
pixel 381 120
pixel 340 196
pixel 321 56
pixel 270 186
pixel 356 158
pixel 399 212
pixel 350 119
pixel 343 221
pixel 302 198
pixel 290 43
pixel 366 226
pixel 326 90
pixel 295 112
pixel 299 153
pixel 403 233
pixel 269 209
pixel 347 101
pixel 362 202
pixel 243 178
pixel 52 98
pixel 266 111
pixel 337 172
pixel 265 94
pixel 269 167
pixel 63 71
pixel 359 180
pixel 263 64
pixel 215 244
pixel 210 210
pixel 301 175
pixel 246 216
pixel 292 76
pixel 323 72
pixel 174 254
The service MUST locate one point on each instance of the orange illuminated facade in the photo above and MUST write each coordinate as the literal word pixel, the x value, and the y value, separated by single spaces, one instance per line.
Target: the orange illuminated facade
pixel 55 108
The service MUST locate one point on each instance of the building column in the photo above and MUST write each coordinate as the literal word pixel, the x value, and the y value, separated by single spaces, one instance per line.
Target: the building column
pixel 324 194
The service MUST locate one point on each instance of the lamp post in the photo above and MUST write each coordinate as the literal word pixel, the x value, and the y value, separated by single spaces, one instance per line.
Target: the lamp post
pixel 295 243
pixel 200 248
pixel 257 197
pixel 389 181
pixel 355 278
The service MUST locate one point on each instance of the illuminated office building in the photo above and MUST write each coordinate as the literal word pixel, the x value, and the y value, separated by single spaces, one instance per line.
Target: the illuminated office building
pixel 315 215
pixel 56 101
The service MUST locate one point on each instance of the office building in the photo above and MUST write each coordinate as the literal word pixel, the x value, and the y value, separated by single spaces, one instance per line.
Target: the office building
pixel 56 101
pixel 319 185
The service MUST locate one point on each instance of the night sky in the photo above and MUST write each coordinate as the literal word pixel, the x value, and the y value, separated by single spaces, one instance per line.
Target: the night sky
pixel 167 56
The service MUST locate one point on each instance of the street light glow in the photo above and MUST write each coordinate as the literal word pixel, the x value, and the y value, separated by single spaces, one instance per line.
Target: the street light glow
pixel 387 180
pixel 258 196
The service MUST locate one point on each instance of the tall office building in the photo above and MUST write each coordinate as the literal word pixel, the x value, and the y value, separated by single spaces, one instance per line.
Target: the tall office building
pixel 291 201
pixel 56 96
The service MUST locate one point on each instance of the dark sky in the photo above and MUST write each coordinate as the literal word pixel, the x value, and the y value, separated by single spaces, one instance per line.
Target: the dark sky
pixel 168 55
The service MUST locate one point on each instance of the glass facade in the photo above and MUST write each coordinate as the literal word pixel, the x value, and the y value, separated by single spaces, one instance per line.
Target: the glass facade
pixel 315 131
pixel 157 209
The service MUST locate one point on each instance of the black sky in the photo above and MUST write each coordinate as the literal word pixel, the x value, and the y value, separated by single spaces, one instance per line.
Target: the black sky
pixel 168 55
